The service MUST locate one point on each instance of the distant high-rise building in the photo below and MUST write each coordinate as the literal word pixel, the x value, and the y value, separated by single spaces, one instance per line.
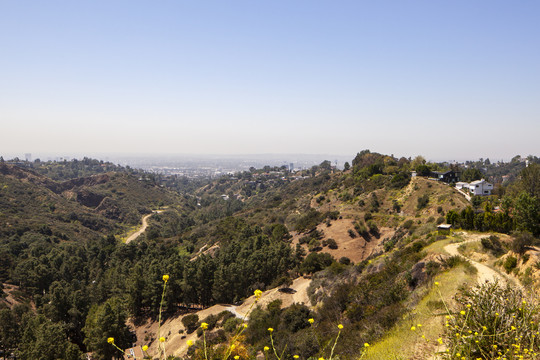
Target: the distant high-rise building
pixel 28 157
pixel 291 167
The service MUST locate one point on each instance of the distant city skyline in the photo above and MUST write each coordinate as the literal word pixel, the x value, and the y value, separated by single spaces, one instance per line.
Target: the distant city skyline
pixel 262 159
pixel 449 81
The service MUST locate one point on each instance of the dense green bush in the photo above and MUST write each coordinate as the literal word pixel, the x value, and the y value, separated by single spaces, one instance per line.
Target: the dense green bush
pixel 190 322
pixel 510 263
pixel 494 321
pixel 493 244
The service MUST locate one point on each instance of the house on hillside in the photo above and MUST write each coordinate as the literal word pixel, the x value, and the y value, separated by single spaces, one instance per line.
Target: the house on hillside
pixel 462 185
pixel 480 187
pixel 133 353
pixel 446 176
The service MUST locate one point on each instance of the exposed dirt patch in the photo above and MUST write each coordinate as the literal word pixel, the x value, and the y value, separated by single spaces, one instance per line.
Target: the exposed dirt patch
pixel 356 249
pixel 176 343
pixel 14 297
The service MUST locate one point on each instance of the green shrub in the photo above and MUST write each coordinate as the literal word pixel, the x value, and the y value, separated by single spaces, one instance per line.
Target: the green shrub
pixel 493 244
pixel 231 324
pixel 458 260
pixel 373 228
pixel 510 263
pixel 521 242
pixel 493 322
pixel 408 224
pixel 332 244
pixel 422 201
pixel 191 322
pixel 361 229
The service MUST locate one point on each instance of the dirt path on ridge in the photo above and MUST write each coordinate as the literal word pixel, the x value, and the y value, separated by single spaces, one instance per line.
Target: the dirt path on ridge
pixel 143 227
pixel 485 273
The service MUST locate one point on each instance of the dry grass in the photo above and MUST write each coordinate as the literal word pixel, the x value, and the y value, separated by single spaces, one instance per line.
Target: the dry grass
pixel 403 343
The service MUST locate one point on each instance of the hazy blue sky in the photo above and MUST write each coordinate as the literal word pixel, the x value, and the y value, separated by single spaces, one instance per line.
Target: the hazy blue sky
pixel 445 79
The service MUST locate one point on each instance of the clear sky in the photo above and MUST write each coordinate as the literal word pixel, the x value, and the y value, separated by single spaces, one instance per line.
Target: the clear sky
pixel 444 79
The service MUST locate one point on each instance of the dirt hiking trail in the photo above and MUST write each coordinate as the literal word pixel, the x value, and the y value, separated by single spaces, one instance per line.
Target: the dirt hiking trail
pixel 485 273
pixel 143 227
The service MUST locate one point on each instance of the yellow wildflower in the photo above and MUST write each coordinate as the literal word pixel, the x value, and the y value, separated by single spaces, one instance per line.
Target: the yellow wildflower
pixel 270 329
pixel 311 321
pixel 340 326
pixel 437 283
pixel 244 325
pixel 366 345
pixel 236 357
pixel 296 356
pixel 162 339
pixel 266 348
pixel 462 312
pixel 165 278
pixel 144 348
pixel 258 294
pixel 204 326
pixel 110 340
pixel 413 328
pixel 440 340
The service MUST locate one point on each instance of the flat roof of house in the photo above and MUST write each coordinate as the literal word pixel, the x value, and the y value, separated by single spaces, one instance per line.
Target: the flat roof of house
pixel 444 226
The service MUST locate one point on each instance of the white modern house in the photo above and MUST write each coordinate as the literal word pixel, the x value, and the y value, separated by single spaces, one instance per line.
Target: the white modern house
pixel 480 187
pixel 462 185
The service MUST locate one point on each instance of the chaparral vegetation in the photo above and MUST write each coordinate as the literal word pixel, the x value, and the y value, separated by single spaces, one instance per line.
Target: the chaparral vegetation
pixel 387 258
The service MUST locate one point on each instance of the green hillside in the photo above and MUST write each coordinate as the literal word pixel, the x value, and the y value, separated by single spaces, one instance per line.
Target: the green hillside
pixel 360 247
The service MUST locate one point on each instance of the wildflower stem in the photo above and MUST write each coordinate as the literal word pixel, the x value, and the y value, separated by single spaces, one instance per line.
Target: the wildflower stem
pixel 161 345
pixel 273 347
pixel 204 342
pixel 333 347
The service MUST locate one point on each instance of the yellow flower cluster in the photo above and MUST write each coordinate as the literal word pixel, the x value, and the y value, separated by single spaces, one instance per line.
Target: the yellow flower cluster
pixel 204 326
pixel 165 278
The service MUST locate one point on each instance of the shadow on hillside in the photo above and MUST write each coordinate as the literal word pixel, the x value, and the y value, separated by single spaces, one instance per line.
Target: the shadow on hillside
pixel 287 290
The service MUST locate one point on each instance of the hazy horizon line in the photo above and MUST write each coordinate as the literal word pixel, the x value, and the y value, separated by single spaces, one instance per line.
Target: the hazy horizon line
pixel 260 156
